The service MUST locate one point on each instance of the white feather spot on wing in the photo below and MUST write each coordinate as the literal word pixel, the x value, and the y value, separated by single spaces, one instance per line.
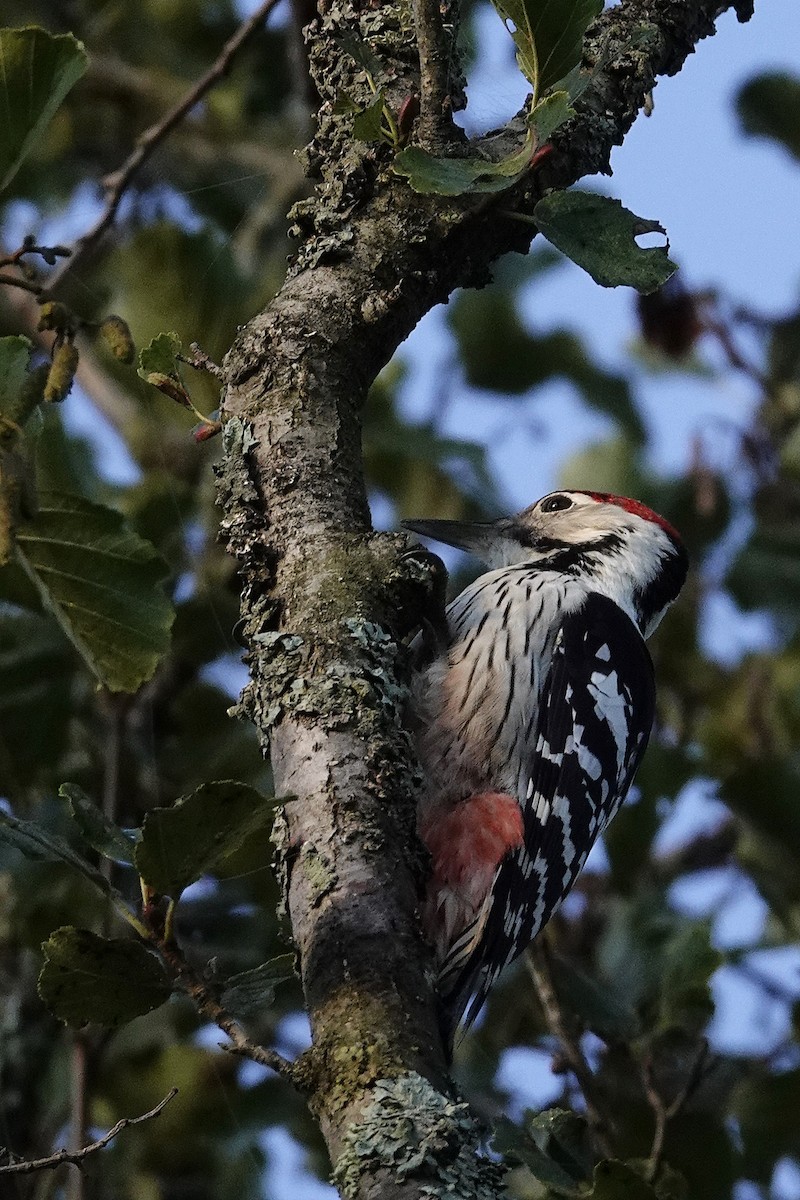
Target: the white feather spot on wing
pixel 609 705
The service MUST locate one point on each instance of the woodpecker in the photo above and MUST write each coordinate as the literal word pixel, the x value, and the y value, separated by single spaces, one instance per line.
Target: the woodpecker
pixel 534 711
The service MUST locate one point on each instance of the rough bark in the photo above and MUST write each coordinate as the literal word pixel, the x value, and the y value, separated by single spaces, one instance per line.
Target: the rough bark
pixel 326 602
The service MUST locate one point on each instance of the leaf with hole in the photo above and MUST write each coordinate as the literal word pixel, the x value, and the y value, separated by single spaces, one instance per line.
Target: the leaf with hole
pixel 106 981
pixel 102 582
pixel 198 833
pixel 548 37
pixel 599 235
pixel 37 70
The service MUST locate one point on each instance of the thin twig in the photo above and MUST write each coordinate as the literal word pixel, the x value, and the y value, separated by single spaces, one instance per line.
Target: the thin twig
pixel 77 1157
pixel 664 1113
pixel 198 359
pixel 17 281
pixel 30 246
pixel 716 326
pixel 116 185
pixel 559 1024
pixel 434 43
pixel 209 1006
pixel 79 1117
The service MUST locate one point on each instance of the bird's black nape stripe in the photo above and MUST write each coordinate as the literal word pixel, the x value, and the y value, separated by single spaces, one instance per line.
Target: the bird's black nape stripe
pixel 667 583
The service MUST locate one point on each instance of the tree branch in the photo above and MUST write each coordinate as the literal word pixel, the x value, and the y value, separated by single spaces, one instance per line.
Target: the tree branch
pixel 209 1007
pixel 115 186
pixel 78 1157
pixel 17 281
pixel 435 44
pixel 537 959
pixel 664 1113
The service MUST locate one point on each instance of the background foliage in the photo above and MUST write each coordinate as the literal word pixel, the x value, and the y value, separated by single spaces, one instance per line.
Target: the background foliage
pixel 202 245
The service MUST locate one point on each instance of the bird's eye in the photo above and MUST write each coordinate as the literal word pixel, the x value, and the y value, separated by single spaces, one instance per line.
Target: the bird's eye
pixel 556 503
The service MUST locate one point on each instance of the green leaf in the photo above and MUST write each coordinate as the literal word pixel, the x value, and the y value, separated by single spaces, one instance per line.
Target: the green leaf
pixel 367 121
pixel 767 570
pixel 344 103
pixel 96 829
pixel 108 981
pixel 36 699
pixel 769 106
pixel 102 582
pixel 764 793
pixel 159 356
pixel 456 176
pixel 548 36
pixel 548 114
pixel 513 1142
pixel 353 44
pixel 17 490
pixel 15 353
pixel 765 1107
pixel 598 234
pixel 37 69
pixel 689 961
pixel 598 1005
pixel 253 991
pixel 35 842
pixel 609 466
pixel 615 1180
pixel 17 487
pixel 197 834
pixel 783 356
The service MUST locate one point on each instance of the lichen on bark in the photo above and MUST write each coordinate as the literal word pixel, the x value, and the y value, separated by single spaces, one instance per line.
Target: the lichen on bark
pixel 411 1132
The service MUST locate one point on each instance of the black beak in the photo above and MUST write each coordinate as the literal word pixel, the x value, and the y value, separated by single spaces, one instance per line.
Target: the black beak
pixel 467 535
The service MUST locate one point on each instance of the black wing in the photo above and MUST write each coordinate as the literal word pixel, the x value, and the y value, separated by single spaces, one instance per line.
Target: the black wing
pixel 591 730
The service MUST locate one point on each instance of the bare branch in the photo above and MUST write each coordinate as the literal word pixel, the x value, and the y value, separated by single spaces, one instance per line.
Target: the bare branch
pixel 434 42
pixel 562 1028
pixel 664 1113
pixel 78 1157
pixel 116 185
pixel 209 1006
pixel 29 246
pixel 27 285
pixel 79 1104
pixel 201 361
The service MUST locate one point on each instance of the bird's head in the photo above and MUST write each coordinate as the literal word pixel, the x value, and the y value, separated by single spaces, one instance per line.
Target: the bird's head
pixel 620 546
